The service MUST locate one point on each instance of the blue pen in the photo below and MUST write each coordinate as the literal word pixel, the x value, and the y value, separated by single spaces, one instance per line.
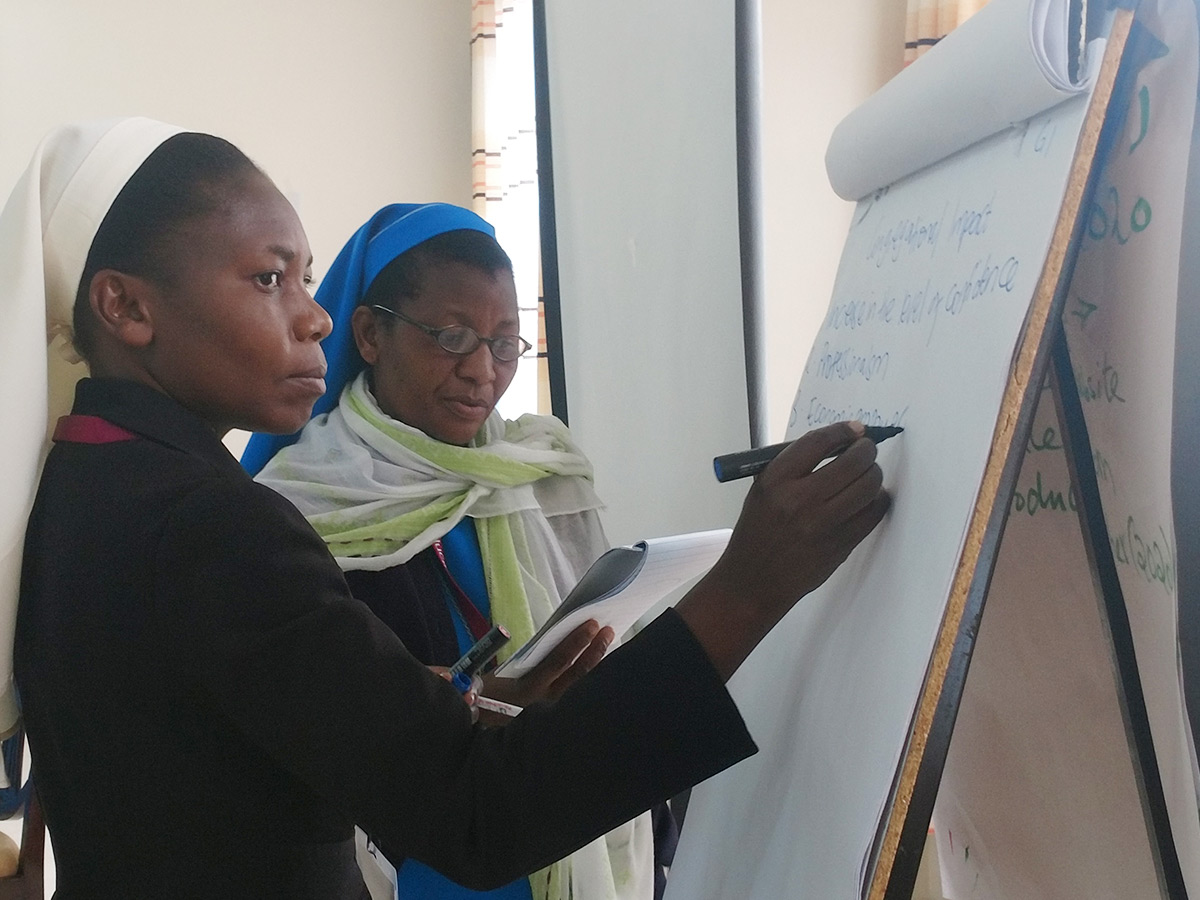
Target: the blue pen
pixel 478 657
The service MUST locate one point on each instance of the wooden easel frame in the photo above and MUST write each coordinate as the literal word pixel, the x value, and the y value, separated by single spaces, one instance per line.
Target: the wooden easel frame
pixel 903 831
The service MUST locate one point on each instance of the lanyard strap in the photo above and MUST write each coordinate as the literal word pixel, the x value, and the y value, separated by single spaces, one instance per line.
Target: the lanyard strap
pixel 476 623
pixel 75 429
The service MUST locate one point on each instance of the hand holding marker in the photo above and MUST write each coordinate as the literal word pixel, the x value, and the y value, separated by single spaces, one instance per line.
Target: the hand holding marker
pixel 728 468
pixel 475 659
pixel 732 466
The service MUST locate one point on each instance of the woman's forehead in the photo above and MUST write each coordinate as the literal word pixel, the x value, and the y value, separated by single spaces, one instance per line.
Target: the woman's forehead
pixel 251 218
pixel 466 289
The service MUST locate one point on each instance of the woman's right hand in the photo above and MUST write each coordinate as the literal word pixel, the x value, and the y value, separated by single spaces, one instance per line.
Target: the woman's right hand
pixel 800 521
pixel 575 656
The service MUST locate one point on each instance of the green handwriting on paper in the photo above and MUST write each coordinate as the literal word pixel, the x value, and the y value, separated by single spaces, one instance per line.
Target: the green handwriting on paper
pixel 1101 385
pixel 1151 556
pixel 1144 105
pixel 1083 309
pixel 1106 218
pixel 1047 439
pixel 1104 473
pixel 1038 497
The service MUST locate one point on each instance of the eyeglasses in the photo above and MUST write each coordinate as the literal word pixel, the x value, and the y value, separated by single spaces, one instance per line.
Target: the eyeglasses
pixel 462 340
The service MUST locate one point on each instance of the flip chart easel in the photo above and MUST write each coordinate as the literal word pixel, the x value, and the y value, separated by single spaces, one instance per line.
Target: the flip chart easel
pixel 987 225
pixel 1042 351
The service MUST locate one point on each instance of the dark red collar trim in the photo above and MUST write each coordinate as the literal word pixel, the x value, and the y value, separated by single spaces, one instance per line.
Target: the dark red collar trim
pixel 90 430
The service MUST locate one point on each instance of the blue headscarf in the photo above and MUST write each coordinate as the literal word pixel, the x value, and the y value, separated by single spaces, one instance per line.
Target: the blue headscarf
pixel 387 234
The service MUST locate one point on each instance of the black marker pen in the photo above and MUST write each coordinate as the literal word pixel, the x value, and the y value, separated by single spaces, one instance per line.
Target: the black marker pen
pixel 732 466
pixel 478 657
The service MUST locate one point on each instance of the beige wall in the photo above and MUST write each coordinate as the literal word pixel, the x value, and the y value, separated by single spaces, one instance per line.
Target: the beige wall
pixel 347 104
pixel 819 62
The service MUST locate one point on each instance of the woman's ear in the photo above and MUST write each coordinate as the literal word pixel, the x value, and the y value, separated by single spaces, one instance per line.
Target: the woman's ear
pixel 367 332
pixel 122 305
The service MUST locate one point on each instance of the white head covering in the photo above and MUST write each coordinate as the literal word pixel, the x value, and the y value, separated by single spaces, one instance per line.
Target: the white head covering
pixel 46 231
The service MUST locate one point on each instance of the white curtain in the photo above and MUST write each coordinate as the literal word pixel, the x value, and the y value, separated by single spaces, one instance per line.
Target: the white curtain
pixel 504 167
pixel 930 20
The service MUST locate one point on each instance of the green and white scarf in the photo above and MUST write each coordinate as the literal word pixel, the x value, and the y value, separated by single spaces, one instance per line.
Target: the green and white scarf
pixel 379 492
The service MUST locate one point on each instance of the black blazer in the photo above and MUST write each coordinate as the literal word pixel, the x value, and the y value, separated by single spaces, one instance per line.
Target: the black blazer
pixel 411 600
pixel 210 711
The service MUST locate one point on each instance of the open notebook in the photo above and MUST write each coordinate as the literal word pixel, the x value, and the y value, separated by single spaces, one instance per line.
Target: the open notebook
pixel 620 587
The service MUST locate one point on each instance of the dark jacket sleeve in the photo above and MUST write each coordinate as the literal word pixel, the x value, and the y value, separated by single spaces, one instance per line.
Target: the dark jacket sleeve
pixel 255 612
